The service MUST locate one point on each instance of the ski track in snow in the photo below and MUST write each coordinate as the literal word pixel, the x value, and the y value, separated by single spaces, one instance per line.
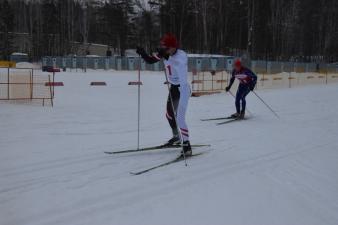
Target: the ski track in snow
pixel 260 171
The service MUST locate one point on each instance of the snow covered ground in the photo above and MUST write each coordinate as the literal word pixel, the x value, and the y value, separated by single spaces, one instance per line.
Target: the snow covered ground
pixel 262 171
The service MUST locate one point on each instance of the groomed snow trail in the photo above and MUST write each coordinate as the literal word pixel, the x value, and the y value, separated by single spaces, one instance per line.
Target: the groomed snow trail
pixel 260 171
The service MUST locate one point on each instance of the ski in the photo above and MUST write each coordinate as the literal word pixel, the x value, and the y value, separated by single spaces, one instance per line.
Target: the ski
pixel 159 147
pixel 178 159
pixel 229 121
pixel 220 118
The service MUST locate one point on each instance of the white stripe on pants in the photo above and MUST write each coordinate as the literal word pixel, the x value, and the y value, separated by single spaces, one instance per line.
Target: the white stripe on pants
pixel 185 93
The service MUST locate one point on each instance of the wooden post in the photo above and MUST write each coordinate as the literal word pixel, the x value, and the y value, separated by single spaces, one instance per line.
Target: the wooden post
pixel 8 83
pixel 31 79
pixel 203 81
pixel 193 78
pixel 50 91
pixel 53 82
pixel 212 82
pixel 326 81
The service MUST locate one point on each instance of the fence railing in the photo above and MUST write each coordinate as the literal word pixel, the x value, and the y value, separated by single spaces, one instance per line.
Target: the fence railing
pixel 206 82
pixel 194 64
pixel 271 67
pixel 23 85
pixel 133 63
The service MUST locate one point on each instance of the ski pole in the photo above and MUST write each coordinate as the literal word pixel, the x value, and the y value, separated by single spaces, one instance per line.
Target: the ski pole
pixel 235 99
pixel 138 83
pixel 175 115
pixel 139 104
pixel 266 105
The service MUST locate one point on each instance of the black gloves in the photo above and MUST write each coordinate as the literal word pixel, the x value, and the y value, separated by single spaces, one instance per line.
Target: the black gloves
pixel 227 89
pixel 162 53
pixel 140 51
pixel 252 86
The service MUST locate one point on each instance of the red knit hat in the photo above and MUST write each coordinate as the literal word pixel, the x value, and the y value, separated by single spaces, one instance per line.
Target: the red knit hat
pixel 169 41
pixel 238 63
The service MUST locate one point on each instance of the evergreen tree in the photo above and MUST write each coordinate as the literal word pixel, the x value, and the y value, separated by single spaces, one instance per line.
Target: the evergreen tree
pixel 264 29
pixel 6 29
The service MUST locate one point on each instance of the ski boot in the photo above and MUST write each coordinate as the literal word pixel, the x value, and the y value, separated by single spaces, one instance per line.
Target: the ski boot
pixel 187 150
pixel 235 115
pixel 241 116
pixel 174 141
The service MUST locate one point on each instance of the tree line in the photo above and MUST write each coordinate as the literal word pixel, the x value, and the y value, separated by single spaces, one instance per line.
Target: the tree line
pixel 304 30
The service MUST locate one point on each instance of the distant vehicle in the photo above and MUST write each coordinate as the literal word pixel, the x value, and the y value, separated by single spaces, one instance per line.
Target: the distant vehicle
pixel 19 57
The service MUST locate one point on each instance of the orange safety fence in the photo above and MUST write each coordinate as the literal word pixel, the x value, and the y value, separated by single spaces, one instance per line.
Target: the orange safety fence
pixel 210 82
pixel 25 86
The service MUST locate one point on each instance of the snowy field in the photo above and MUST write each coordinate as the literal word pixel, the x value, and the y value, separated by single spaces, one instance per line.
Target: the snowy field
pixel 262 171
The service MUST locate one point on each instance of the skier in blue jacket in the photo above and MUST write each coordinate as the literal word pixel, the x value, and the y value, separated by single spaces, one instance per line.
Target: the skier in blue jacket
pixel 247 82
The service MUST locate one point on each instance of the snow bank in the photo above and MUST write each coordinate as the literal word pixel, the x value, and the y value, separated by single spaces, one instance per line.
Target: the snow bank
pixel 27 65
pixel 259 171
pixel 207 56
pixel 19 54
